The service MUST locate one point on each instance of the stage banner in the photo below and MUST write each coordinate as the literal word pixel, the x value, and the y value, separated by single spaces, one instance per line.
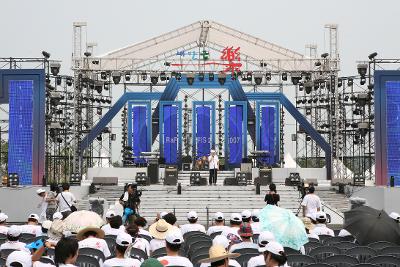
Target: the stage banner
pixel 203 129
pixel 170 134
pixel 267 134
pixel 235 133
pixel 139 132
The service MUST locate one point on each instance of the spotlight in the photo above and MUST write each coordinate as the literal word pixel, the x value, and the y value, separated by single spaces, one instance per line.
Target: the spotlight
pixel 163 76
pixel 258 78
pixel 144 76
pixel 190 78
pixel 103 75
pixel 95 62
pixel 340 83
pixel 98 86
pixel 211 76
pixel 362 80
pixel 363 128
pixel 308 86
pixel 350 82
pixel 295 77
pixel 362 99
pixel 58 80
pixel 284 76
pixel 249 76
pixel 46 54
pixel 222 78
pixel 362 69
pixel 127 76
pixel 116 76
pixel 87 54
pixel 307 76
pixel 372 56
pixel 55 68
pixel 268 76
pixel 106 86
pixel 317 63
pixel 154 78
pixel 304 101
pixel 301 86
pixel 324 55
pixel 178 76
pixel 69 81
pixel 201 76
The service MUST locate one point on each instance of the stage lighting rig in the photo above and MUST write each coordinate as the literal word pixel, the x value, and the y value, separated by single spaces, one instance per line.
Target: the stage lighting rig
pixel 103 75
pixel 268 76
pixel 258 78
pixel 68 81
pixel 163 76
pixel 87 54
pixel 222 78
pixel 362 69
pixel 190 78
pixel 372 55
pixel 143 76
pixel 127 76
pixel 55 68
pixel 324 55
pixel 46 54
pixel 154 78
pixel 296 77
pixel 211 76
pixel 284 76
pixel 116 77
pixel 201 76
pixel 350 82
pixel 308 86
pixel 58 80
pixel 249 76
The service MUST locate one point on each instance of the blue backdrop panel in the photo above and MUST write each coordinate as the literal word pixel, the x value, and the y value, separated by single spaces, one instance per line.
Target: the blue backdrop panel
pixel 267 134
pixel 20 142
pixel 235 133
pixel 203 131
pixel 171 134
pixel 393 129
pixel 139 132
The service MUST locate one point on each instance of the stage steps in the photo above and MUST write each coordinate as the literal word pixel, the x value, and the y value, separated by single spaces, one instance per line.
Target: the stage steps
pixel 184 176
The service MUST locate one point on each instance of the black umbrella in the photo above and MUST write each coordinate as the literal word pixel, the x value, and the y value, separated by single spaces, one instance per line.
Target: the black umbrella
pixel 369 225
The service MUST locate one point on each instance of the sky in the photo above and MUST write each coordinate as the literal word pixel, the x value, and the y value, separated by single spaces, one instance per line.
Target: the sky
pixel 28 27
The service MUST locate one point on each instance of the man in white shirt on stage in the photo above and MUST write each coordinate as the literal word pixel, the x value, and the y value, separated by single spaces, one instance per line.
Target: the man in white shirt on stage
pixel 311 203
pixel 213 165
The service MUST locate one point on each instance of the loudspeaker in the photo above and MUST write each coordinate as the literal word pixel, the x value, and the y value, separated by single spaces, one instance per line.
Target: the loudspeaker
pixel 152 173
pixel 359 180
pixel 171 175
pixel 230 181
pixel 186 166
pixel 265 176
pixel 142 179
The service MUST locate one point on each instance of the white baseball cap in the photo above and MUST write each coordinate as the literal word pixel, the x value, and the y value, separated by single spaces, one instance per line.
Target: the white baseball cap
pixel 265 237
pixel 236 217
pixel 221 240
pixel 273 247
pixel 320 215
pixel 394 216
pixel 57 216
pixel 110 213
pixel 219 216
pixel 174 237
pixel 246 214
pixel 255 213
pixel 22 257
pixel 3 217
pixel 163 213
pixel 123 239
pixel 192 215
pixel 33 216
pixel 14 231
pixel 40 190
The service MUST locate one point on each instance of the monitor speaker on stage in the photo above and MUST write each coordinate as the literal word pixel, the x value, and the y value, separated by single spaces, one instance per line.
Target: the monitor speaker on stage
pixel 152 173
pixel 265 177
pixel 171 175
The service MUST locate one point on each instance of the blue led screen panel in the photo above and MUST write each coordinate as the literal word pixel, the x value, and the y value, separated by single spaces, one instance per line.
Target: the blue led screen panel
pixel 267 134
pixel 20 144
pixel 203 138
pixel 393 130
pixel 139 132
pixel 170 138
pixel 235 133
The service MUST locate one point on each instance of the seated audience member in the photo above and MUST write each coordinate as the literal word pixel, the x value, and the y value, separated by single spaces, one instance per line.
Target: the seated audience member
pixel 122 242
pixel 274 254
pixel 321 228
pixel 3 221
pixel 19 259
pixel 109 215
pixel 245 233
pixel 116 226
pixel 138 242
pixel 66 252
pixel 246 216
pixel 222 241
pixel 219 224
pixel 219 257
pixel 158 231
pixel 45 227
pixel 32 227
pixel 232 232
pixel 174 241
pixel 255 225
pixel 92 237
pixel 192 226
pixel 263 240
pixel 309 226
pixel 142 223
pixel 170 218
pixel 151 262
pixel 395 216
pixel 13 240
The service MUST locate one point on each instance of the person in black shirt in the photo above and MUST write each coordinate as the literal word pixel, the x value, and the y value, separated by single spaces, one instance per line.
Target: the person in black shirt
pixel 272 197
pixel 130 200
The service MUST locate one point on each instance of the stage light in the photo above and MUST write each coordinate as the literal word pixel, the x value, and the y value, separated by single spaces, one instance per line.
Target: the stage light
pixel 163 76
pixel 222 78
pixel 69 81
pixel 154 78
pixel 309 101
pixel 301 86
pixel 324 55
pixel 295 77
pixel 103 75
pixel 55 68
pixel 340 83
pixel 116 77
pixel 190 78
pixel 317 63
pixel 268 76
pixel 284 76
pixel 95 62
pixel 127 76
pixel 201 76
pixel 178 76
pixel 144 76
pixel 106 86
pixel 249 76
pixel 46 54
pixel 98 86
pixel 362 80
pixel 346 98
pixel 362 69
pixel 258 78
pixel 371 86
pixel 307 76
pixel 298 101
pixel 99 138
pixel 350 82
pixel 372 56
pixel 362 99
pixel 363 128
pixel 58 80
pixel 304 101
pixel 315 100
pixel 211 76
pixel 308 86
pixel 87 54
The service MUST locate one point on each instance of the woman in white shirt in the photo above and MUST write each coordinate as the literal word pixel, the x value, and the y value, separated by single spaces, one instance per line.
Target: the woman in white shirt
pixel 66 252
pixel 65 201
pixel 274 254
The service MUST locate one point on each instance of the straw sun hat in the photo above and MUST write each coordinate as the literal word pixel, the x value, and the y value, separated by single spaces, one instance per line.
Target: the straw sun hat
pixel 217 253
pixel 159 230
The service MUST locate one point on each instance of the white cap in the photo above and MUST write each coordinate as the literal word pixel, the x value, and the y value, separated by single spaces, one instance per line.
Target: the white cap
pixel 22 257
pixel 57 216
pixel 320 215
pixel 123 239
pixel 3 217
pixel 236 217
pixel 265 237
pixel 273 247
pixel 40 190
pixel 110 213
pixel 163 213
pixel 174 237
pixel 192 215
pixel 34 216
pixel 394 216
pixel 246 214
pixel 255 213
pixel 14 231
pixel 212 151
pixel 219 216
pixel 221 240
pixel 46 224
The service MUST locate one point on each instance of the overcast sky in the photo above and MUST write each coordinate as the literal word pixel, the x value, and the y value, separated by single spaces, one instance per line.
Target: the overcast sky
pixel 30 26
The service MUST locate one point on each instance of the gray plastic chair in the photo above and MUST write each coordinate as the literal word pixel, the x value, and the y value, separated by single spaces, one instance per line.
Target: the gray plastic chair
pixel 320 265
pixel 390 251
pixel 333 239
pixel 344 246
pixel 321 253
pixel 300 260
pixel 92 252
pixel 87 261
pixel 380 245
pixel 342 260
pixel 290 251
pixel 311 245
pixel 385 261
pixel 361 253
pixel 138 254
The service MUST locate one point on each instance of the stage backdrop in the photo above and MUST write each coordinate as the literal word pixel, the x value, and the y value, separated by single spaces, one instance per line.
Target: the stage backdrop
pixel 170 134
pixel 235 134
pixel 203 131
pixel 139 127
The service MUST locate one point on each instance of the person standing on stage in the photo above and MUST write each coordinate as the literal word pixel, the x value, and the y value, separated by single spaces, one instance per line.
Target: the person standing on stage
pixel 213 164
